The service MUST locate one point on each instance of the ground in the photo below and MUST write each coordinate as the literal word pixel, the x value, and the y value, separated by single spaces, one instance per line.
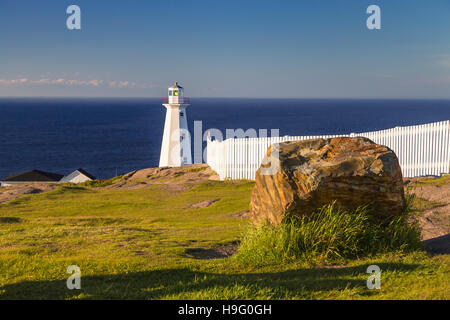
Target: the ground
pixel 171 233
pixel 434 197
pixel 17 191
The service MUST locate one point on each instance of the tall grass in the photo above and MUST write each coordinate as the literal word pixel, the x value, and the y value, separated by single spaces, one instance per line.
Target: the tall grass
pixel 331 234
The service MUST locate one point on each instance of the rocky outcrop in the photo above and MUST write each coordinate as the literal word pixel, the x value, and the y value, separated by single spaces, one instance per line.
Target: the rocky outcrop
pixel 300 176
pixel 16 191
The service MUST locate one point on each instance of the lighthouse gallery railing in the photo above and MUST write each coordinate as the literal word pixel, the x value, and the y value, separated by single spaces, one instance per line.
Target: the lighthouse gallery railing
pixel 176 100
pixel 422 150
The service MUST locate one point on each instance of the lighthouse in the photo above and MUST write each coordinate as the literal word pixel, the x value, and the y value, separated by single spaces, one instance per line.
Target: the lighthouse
pixel 176 143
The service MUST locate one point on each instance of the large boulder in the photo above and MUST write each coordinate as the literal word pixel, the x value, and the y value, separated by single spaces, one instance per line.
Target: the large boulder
pixel 298 177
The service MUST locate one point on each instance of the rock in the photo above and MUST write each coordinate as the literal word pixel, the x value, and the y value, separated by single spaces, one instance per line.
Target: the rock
pixel 316 172
pixel 204 204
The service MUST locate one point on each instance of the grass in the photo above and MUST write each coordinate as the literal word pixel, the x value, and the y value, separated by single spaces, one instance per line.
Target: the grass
pixel 418 204
pixel 328 236
pixel 134 244
pixel 197 169
pixel 433 181
pixel 97 183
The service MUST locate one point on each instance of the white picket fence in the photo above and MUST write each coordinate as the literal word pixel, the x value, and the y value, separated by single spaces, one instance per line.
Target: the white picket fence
pixel 422 150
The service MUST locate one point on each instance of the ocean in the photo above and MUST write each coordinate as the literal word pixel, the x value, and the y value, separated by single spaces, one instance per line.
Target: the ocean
pixel 115 136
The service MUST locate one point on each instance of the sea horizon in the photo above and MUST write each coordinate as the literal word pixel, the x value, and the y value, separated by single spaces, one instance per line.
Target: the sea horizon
pixel 109 135
pixel 244 98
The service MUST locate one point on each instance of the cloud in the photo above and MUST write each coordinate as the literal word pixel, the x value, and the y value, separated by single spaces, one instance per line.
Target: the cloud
pixel 77 82
pixel 95 83
pixel 124 84
pixel 130 84
pixel 69 82
pixel 46 81
pixel 14 81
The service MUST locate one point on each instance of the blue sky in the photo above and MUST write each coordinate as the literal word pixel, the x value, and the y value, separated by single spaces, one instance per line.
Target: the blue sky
pixel 301 48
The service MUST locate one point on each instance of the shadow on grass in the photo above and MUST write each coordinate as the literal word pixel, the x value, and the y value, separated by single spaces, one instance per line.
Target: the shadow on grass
pixel 438 245
pixel 10 220
pixel 183 282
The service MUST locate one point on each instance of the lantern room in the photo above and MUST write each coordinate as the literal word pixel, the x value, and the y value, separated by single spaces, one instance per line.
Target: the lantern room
pixel 176 95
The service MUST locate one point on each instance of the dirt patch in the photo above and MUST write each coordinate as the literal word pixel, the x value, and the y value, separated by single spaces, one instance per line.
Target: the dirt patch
pixel 432 193
pixel 7 220
pixel 17 191
pixel 142 253
pixel 434 222
pixel 242 214
pixel 213 253
pixel 204 204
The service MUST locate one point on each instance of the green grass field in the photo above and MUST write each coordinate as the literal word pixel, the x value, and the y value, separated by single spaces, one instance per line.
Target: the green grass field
pixel 137 244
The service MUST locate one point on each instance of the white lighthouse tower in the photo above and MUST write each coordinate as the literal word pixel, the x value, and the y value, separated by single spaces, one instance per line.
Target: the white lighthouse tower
pixel 176 143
